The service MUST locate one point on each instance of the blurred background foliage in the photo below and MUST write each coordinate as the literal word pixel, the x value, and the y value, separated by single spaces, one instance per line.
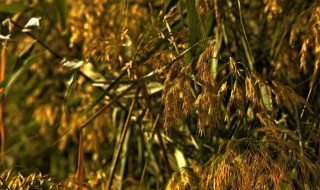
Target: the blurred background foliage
pixel 163 94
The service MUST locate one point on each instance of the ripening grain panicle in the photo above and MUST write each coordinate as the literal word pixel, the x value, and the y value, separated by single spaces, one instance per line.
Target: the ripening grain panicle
pixel 309 22
pixel 178 98
pixel 177 95
pixel 208 101
pixel 286 96
pixel 236 104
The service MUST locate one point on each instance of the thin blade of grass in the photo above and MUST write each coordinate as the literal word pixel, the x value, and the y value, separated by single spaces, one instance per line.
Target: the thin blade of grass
pixel 123 158
pixel 120 144
pixel 245 42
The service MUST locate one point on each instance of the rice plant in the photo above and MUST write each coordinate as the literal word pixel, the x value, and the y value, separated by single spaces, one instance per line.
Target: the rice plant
pixel 163 94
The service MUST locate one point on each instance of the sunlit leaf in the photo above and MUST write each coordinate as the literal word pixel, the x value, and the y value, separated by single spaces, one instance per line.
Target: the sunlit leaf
pixel 5 30
pixel 180 158
pixel 72 64
pixel 33 24
pixel 7 37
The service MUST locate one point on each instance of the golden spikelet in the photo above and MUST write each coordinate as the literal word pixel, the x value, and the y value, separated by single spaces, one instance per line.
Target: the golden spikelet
pixel 170 112
pixel 177 95
pixel 167 83
pixel 186 178
pixel 293 37
pixel 13 179
pixel 283 160
pixel 311 40
pixel 16 181
pixel 182 183
pixel 236 102
pixel 250 91
pixel 232 65
pixel 272 8
pixel 190 177
pixel 179 100
pixel 216 174
pixel 316 70
pixel 172 182
pixel 304 53
pixel 315 28
pixel 265 120
pixel 5 175
pixel 254 168
pixel 187 98
pixel 200 106
pixel 209 113
pixel 222 90
pixel 204 74
pixel 196 168
pixel 236 69
pixel 209 100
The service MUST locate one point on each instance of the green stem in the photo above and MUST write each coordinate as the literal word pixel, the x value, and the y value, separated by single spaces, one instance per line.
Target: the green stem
pixel 247 47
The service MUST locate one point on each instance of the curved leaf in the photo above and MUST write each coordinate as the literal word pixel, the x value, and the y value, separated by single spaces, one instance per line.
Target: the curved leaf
pixel 22 70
